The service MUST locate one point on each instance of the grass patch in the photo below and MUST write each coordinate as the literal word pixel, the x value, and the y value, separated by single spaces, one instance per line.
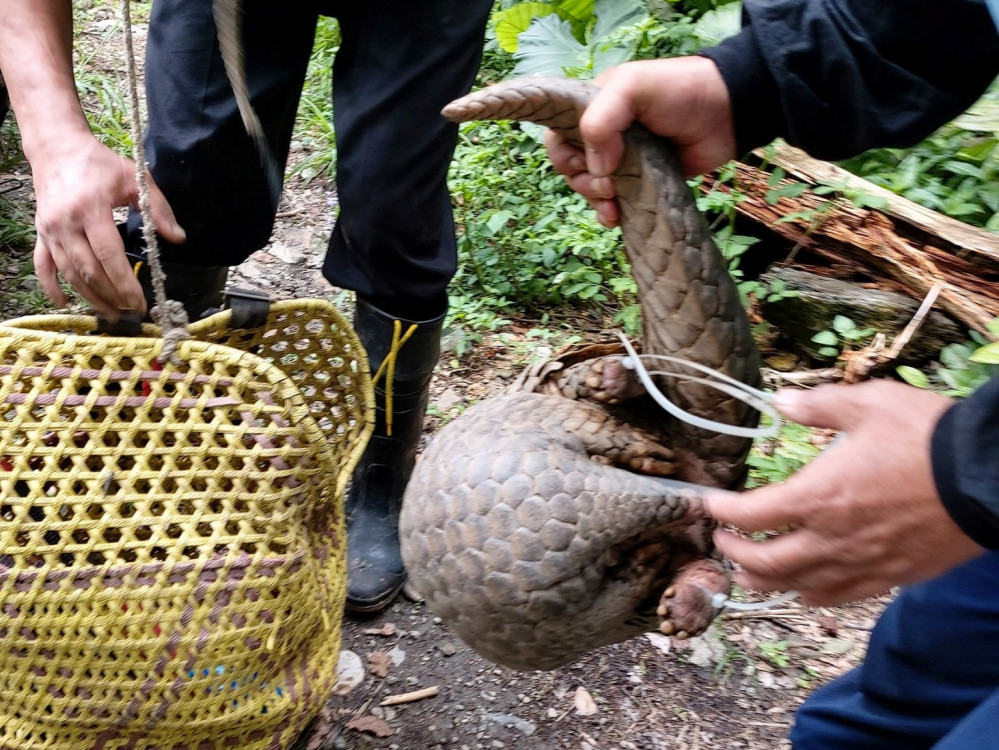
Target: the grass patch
pixel 314 125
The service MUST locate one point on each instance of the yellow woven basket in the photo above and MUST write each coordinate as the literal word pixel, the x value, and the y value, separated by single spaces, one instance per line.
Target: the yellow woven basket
pixel 172 549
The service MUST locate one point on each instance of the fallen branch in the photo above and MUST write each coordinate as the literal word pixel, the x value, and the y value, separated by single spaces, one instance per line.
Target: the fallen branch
pixel 804 378
pixel 979 246
pixel 761 614
pixel 910 330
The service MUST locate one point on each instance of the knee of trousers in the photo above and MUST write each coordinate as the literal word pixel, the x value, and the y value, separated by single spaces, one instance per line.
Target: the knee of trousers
pixel 217 235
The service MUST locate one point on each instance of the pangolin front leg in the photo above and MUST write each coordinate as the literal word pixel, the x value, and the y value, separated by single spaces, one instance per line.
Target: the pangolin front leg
pixel 604 379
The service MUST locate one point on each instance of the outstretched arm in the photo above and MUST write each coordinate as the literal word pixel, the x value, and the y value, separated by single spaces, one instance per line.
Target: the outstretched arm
pixel 864 516
pixel 834 77
pixel 911 490
pixel 77 180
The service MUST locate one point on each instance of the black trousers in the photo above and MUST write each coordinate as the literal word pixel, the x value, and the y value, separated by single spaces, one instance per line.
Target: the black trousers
pixel 400 62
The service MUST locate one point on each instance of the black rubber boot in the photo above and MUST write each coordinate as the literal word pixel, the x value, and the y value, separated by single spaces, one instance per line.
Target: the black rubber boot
pixel 199 288
pixel 375 572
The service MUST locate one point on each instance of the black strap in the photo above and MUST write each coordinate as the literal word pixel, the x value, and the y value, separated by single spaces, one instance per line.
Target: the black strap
pixel 128 324
pixel 249 309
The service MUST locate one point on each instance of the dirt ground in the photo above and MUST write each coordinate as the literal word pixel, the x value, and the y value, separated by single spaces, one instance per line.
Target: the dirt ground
pixel 735 687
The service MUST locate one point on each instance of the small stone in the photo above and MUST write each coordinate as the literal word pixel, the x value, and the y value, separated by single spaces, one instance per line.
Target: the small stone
pixel 448 649
pixel 292 255
pixel 584 703
pixel 397 656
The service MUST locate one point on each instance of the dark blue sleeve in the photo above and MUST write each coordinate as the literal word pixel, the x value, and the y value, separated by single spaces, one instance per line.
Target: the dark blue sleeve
pixel 836 77
pixel 965 454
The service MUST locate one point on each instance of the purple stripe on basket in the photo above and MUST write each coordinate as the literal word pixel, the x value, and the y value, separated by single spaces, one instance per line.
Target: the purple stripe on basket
pixel 164 402
pixel 76 373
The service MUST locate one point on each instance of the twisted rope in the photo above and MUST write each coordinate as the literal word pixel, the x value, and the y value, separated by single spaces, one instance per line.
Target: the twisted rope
pixel 168 314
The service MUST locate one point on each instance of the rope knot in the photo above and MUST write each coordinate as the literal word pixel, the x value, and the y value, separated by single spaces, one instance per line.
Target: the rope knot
pixel 171 317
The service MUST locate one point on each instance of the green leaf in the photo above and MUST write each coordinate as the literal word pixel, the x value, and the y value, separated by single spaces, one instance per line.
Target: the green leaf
pixel 993 326
pixel 611 55
pixel 776 176
pixel 549 48
pixel 988 354
pixel 955 356
pixel 950 378
pixel 962 168
pixel 806 216
pixel 790 190
pixel 842 324
pixel 613 14
pixel 578 10
pixel 826 338
pixel 716 25
pixel 912 376
pixel 828 351
pixel 498 221
pixel 983 117
pixel 512 22
pixel 866 200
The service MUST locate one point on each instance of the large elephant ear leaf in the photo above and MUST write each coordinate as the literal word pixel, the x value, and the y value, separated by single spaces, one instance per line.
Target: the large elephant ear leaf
pixel 608 47
pixel 613 14
pixel 513 21
pixel 579 13
pixel 719 24
pixel 548 47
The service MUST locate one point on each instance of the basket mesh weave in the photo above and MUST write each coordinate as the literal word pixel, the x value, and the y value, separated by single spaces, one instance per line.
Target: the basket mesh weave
pixel 172 552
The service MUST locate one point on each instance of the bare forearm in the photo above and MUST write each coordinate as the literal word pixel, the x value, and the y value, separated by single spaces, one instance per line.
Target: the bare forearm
pixel 36 38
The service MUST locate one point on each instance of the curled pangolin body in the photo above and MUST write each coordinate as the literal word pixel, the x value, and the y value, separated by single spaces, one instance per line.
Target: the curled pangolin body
pixel 525 525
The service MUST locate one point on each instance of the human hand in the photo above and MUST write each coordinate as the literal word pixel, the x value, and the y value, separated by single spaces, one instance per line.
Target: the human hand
pixel 77 185
pixel 864 516
pixel 683 99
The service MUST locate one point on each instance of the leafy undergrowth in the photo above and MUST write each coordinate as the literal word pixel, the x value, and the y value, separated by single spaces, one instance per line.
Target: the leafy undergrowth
pixel 954 171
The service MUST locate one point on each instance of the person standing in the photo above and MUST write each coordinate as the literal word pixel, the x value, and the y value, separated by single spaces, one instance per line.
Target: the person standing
pixel 393 243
